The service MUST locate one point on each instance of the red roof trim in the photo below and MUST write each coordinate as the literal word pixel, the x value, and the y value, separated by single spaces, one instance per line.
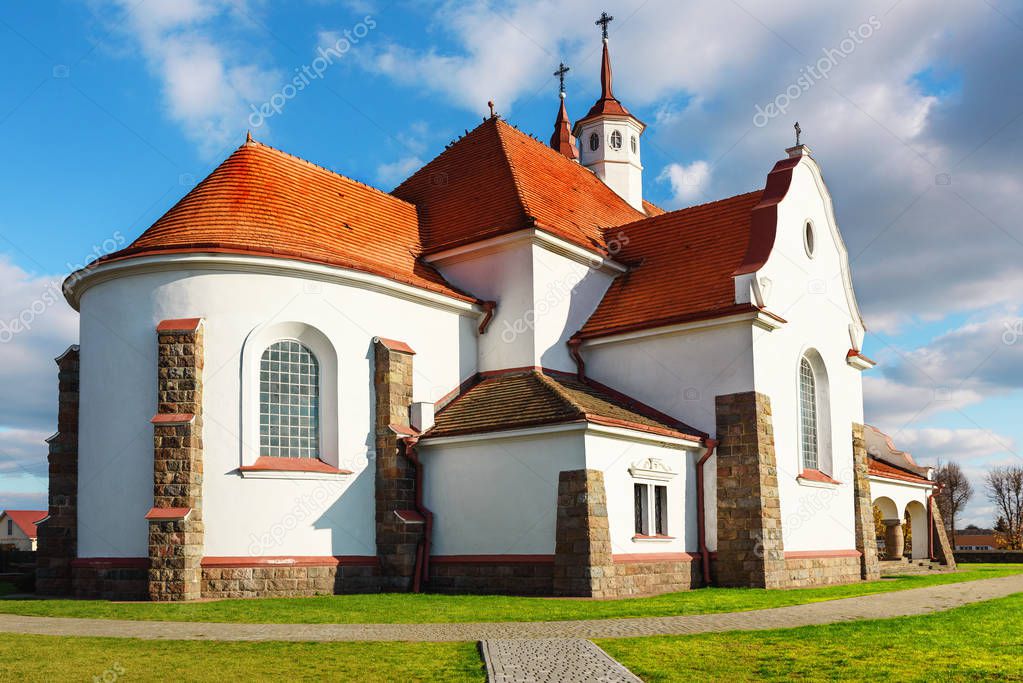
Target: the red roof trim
pixel 265 463
pixel 635 558
pixel 818 476
pixel 764 221
pixel 179 325
pixel 855 353
pixel 167 514
pixel 668 321
pixel 819 554
pixel 410 516
pixel 173 419
pixel 394 345
pixel 879 468
pixel 290 561
pixel 492 559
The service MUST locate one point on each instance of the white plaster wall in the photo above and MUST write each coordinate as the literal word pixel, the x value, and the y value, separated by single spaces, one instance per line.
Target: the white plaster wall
pixel 565 294
pixel 503 275
pixel 497 496
pixel 614 456
pixel 810 294
pixel 620 169
pixel 243 516
pixel 680 374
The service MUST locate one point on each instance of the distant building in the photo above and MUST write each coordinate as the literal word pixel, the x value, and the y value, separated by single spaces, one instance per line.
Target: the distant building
pixel 977 539
pixel 18 528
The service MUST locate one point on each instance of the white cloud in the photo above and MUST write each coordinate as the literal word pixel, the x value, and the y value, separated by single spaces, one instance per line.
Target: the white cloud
pixel 687 181
pixel 209 80
pixel 389 175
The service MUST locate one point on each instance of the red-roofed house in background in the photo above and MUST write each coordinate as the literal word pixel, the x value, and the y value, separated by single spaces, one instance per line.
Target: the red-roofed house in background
pixel 509 374
pixel 18 528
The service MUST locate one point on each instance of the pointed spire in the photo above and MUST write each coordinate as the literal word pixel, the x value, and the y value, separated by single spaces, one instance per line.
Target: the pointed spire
pixel 562 140
pixel 605 76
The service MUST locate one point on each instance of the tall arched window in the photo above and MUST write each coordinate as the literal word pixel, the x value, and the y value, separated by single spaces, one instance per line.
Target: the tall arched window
pixel 808 426
pixel 289 401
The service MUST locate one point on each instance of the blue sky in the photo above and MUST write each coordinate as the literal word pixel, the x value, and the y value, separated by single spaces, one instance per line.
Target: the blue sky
pixel 111 111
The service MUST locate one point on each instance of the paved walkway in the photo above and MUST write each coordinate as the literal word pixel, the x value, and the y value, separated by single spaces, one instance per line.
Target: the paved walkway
pixel 565 661
pixel 880 606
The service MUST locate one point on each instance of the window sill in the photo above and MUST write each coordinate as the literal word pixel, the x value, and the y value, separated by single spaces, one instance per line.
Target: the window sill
pixel 291 468
pixel 659 538
pixel 817 479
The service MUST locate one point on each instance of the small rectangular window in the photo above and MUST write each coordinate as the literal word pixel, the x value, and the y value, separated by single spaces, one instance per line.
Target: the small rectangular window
pixel 10 527
pixel 642 509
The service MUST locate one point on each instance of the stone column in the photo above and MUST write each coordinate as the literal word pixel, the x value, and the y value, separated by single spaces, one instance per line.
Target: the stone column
pixel 750 550
pixel 863 508
pixel 58 535
pixel 397 541
pixel 176 532
pixel 894 541
pixel 583 561
pixel 943 550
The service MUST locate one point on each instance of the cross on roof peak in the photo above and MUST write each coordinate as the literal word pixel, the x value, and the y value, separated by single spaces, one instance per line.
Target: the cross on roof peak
pixel 604 20
pixel 560 73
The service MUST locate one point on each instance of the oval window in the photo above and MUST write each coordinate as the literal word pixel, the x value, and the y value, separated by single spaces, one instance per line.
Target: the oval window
pixel 616 140
pixel 808 239
pixel 594 141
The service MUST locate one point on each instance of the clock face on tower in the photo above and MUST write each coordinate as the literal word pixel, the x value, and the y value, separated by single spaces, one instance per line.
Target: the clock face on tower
pixel 594 141
pixel 616 140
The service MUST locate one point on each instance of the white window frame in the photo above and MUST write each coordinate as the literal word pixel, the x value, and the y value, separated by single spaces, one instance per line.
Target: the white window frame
pixel 649 513
pixel 317 342
pixel 822 408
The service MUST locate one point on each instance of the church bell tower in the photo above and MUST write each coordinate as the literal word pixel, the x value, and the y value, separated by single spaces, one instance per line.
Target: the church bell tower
pixel 609 137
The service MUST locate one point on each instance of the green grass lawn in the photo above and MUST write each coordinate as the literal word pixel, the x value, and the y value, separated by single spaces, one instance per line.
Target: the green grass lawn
pixel 426 608
pixel 977 642
pixel 52 658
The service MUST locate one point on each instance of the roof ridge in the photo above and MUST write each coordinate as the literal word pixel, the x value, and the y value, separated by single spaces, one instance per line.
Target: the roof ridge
pixel 280 152
pixel 555 390
pixel 508 165
pixel 562 159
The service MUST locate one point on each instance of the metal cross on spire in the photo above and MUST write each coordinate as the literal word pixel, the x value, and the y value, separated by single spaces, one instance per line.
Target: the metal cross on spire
pixel 560 73
pixel 799 132
pixel 604 20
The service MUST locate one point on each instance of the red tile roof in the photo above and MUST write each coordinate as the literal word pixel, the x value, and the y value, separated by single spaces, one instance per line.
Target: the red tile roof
pixel 520 399
pixel 681 266
pixel 265 202
pixel 496 180
pixel 26 520
pixel 880 468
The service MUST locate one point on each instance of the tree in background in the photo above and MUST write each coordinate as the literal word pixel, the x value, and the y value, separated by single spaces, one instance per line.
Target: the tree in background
pixel 1005 489
pixel 954 492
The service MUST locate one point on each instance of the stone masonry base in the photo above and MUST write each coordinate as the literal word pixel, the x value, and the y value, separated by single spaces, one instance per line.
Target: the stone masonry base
pixel 110 580
pixel 821 571
pixel 221 583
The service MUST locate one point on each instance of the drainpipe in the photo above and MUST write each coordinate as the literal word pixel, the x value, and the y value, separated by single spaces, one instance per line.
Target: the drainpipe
pixel 701 524
pixel 488 315
pixel 422 572
pixel 573 350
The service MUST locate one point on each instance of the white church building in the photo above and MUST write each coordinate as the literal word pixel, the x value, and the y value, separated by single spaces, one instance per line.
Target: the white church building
pixel 509 374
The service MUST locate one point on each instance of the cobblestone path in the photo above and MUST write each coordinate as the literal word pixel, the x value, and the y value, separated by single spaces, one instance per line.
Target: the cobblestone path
pixel 880 606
